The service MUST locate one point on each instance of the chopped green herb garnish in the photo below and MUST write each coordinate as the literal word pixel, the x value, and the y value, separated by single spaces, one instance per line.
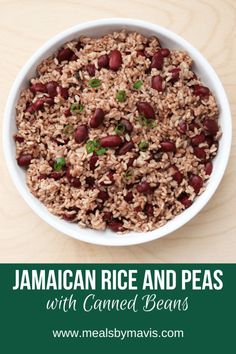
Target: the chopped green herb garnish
pixel 121 96
pixel 94 146
pixel 154 124
pixel 143 146
pixel 147 122
pixel 138 84
pixel 128 173
pixel 76 108
pixel 59 163
pixel 120 129
pixel 94 83
pixel 68 129
pixel 101 151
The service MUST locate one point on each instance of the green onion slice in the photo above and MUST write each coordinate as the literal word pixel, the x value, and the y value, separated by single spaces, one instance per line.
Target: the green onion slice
pixel 138 84
pixel 94 83
pixel 152 123
pixel 128 173
pixel 59 163
pixel 120 129
pixel 68 129
pixel 143 146
pixel 121 96
pixel 101 151
pixel 76 108
pixel 94 146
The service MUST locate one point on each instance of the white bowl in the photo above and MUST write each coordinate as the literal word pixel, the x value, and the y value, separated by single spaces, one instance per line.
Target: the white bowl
pixel 96 29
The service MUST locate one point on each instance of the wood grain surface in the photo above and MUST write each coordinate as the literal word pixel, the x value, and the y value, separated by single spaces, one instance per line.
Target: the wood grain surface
pixel 210 25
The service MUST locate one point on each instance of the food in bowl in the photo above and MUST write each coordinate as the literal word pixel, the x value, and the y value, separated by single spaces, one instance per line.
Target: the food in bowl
pixel 117 132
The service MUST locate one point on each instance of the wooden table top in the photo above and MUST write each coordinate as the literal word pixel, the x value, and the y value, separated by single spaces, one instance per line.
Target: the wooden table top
pixel 210 26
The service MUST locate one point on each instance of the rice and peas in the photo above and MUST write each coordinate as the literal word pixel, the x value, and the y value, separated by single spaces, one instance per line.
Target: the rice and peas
pixel 116 132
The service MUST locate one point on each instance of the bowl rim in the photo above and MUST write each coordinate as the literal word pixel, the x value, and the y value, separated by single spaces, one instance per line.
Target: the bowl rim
pixel 61 225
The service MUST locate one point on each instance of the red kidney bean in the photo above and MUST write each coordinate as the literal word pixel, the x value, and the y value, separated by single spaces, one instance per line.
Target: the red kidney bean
pixel 209 140
pixel 90 181
pixel 67 112
pixel 128 197
pixel 165 52
pixel 157 61
pixel 39 87
pixel 192 126
pixel 110 175
pixel 81 133
pixel 91 69
pixel 63 92
pixel 97 118
pixel 200 90
pixel 177 175
pixel 103 61
pixel 30 109
pixel 24 160
pixel 140 53
pixel 200 153
pixel 182 127
pixel 56 175
pixel 38 104
pixel 196 182
pixel 175 74
pixel 145 109
pixel 211 126
pixel 116 225
pixel 92 162
pixel 157 83
pixel 198 139
pixel 64 54
pixel 131 161
pixel 115 60
pixel 18 138
pixel 107 216
pixel 138 209
pixel 126 147
pixel 75 182
pixel 42 176
pixel 126 123
pixel 168 146
pixel 208 168
pixel 52 88
pixel 48 100
pixel 68 174
pixel 184 199
pixel 148 209
pixel 144 187
pixel 111 141
pixel 103 196
pixel 74 57
pixel 69 216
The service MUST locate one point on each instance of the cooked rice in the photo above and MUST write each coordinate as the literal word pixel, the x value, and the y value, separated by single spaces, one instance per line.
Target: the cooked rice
pixel 45 140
